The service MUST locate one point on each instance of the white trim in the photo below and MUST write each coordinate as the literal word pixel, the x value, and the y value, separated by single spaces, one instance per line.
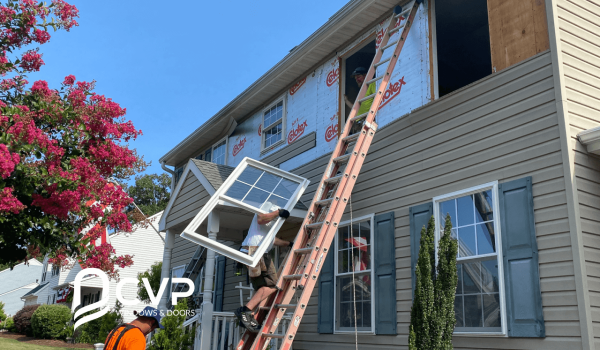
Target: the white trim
pixel 497 229
pixel 282 121
pixel 359 219
pixel 178 267
pixel 190 231
pixel 434 63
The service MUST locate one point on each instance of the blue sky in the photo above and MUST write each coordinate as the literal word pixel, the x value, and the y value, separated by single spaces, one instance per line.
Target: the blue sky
pixel 173 65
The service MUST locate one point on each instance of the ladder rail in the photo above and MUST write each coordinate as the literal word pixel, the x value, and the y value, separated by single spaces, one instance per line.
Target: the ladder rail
pixel 310 264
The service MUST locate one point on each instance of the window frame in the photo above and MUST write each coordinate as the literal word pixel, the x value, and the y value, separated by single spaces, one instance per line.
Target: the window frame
pixel 220 198
pixel 175 268
pixel 265 128
pixel 212 151
pixel 357 220
pixel 499 257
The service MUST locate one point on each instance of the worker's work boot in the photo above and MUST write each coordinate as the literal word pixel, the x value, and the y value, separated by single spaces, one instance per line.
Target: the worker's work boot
pixel 246 319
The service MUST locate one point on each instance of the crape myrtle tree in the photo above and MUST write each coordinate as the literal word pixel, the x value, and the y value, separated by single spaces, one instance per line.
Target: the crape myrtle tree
pixel 59 149
pixel 432 317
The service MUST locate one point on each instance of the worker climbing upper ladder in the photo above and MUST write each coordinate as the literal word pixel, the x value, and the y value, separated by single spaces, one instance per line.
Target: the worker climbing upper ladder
pixel 305 261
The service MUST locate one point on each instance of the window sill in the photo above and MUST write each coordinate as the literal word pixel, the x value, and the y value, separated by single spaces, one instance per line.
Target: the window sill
pixel 480 334
pixel 264 151
pixel 352 332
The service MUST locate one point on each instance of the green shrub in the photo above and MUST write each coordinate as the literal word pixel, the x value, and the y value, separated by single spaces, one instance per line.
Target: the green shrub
pixel 9 325
pixel 96 331
pixel 174 336
pixel 51 321
pixel 22 320
pixel 2 314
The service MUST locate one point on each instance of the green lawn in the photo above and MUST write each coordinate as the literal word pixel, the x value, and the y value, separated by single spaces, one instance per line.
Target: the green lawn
pixel 11 344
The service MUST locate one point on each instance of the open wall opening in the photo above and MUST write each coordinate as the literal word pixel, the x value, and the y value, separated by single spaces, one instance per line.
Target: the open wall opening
pixel 463 43
pixel 361 58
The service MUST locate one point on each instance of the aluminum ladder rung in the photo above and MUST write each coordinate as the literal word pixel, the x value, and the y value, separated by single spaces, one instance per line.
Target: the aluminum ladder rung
pixel 324 202
pixel 292 277
pixel 359 117
pixel 374 80
pixel 391 32
pixel 389 45
pixel 342 159
pixel 367 98
pixel 334 179
pixel 304 250
pixel 278 336
pixel 403 13
pixel 382 62
pixel 351 138
pixel 286 306
pixel 314 225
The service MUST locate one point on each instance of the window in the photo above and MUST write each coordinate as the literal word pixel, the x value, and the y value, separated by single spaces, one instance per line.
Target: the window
pixel 177 272
pixel 178 173
pixel 273 125
pixel 216 154
pixel 257 188
pixel 479 302
pixel 55 270
pixel 354 241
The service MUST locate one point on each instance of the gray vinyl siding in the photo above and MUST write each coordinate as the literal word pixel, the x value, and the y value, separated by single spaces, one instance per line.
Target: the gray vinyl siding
pixel 579 25
pixel 501 128
pixel 187 205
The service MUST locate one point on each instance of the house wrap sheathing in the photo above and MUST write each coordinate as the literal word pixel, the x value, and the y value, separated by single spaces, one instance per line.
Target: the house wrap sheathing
pixel 514 129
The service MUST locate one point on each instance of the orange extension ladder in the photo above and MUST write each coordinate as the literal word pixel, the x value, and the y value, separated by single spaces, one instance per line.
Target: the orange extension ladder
pixel 303 264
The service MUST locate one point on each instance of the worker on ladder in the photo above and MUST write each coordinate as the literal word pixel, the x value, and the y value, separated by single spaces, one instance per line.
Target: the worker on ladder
pixel 359 75
pixel 264 275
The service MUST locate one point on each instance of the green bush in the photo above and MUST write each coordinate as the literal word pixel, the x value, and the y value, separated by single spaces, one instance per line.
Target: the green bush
pixel 96 331
pixel 50 321
pixel 22 320
pixel 9 325
pixel 174 336
pixel 2 314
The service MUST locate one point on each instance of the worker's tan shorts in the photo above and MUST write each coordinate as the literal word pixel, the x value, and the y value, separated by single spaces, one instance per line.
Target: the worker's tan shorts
pixel 264 273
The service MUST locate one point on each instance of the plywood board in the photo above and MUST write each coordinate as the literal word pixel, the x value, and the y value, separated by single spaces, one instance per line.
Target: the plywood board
pixel 518 30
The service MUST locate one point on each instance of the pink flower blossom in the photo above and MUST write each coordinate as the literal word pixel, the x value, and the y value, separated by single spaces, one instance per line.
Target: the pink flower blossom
pixel 41 36
pixel 9 203
pixel 69 80
pixel 66 13
pixel 8 161
pixel 31 61
pixel 41 87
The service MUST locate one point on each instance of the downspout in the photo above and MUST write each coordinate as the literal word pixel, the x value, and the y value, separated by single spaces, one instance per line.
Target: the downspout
pixel 162 165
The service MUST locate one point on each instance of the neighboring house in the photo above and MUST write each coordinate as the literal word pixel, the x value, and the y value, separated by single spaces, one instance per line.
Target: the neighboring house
pixel 493 116
pixel 146 246
pixel 23 278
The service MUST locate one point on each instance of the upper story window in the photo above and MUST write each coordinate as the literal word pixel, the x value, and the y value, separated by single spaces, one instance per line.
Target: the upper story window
pixel 55 270
pixel 273 124
pixel 217 153
pixel 479 302
pixel 353 252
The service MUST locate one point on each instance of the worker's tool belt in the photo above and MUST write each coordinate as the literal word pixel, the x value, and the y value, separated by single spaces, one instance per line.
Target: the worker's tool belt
pixel 260 267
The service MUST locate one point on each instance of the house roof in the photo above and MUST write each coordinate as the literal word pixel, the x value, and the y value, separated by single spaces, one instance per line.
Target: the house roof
pixel 339 31
pixel 35 290
pixel 216 174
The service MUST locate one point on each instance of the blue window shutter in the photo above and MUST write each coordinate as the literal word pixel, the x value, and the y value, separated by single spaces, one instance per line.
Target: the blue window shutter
pixel 219 283
pixel 520 255
pixel 385 274
pixel 419 216
pixel 325 316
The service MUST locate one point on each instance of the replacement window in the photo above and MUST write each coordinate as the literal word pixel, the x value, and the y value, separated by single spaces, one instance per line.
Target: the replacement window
pixel 254 187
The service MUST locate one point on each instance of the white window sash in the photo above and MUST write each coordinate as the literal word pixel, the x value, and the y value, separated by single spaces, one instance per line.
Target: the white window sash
pixel 219 197
pixel 496 207
pixel 266 128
